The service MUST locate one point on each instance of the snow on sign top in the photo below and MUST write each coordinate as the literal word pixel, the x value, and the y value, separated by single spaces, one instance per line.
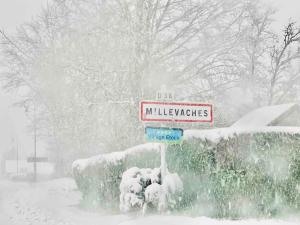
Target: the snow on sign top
pixel 175 112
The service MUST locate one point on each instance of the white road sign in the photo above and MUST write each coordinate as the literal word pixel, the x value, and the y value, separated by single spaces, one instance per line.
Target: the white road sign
pixel 175 112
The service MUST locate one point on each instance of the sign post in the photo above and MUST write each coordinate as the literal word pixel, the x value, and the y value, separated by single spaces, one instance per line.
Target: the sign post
pixel 163 168
pixel 164 136
pixel 170 112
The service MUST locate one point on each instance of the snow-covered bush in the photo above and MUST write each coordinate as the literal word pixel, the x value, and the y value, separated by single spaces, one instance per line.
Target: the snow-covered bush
pixel 153 194
pixel 144 186
pixel 135 183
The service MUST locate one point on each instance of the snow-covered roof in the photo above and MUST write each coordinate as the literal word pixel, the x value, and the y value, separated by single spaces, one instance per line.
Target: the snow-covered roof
pixel 264 116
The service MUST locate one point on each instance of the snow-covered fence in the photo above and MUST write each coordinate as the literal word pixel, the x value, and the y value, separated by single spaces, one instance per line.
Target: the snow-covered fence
pixel 225 172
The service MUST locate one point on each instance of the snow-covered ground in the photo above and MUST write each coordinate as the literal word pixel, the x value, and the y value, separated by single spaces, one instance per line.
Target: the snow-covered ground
pixel 56 203
pixel 47 203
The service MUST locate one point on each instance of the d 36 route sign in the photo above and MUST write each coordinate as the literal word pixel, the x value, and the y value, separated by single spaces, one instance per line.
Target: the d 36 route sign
pixel 164 134
pixel 181 112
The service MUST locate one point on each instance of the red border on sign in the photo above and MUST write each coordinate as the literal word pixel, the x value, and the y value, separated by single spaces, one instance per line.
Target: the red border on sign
pixel 175 103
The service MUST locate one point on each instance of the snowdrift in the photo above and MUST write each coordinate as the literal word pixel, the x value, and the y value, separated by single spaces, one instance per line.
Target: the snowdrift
pixel 226 172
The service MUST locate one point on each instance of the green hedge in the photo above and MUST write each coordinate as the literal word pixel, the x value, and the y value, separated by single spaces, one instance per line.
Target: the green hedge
pixel 245 175
pixel 100 179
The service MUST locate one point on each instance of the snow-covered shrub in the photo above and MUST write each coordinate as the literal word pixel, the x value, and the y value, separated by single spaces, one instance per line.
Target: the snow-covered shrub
pixel 144 186
pixel 153 193
pixel 135 182
pixel 240 174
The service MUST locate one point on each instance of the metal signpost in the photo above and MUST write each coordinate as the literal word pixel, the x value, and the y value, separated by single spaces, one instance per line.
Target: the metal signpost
pixel 163 135
pixel 170 112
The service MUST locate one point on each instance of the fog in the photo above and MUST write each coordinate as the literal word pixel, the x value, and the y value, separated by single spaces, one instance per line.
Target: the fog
pixel 73 75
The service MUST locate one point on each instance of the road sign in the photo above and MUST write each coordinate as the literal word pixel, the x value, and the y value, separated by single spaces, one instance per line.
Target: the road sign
pixel 160 111
pixel 151 111
pixel 37 159
pixel 164 96
pixel 163 134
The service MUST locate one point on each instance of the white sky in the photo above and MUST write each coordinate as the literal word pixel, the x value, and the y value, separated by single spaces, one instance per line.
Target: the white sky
pixel 15 12
pixel 286 10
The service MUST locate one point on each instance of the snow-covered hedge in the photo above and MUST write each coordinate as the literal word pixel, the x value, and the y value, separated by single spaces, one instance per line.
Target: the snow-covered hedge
pixel 239 173
pixel 99 177
pixel 225 172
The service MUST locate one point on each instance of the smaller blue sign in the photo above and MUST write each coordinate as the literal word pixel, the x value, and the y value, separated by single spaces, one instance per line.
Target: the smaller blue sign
pixel 164 134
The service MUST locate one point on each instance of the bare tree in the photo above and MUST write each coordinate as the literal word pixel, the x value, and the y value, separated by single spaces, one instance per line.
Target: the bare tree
pixel 87 64
pixel 282 59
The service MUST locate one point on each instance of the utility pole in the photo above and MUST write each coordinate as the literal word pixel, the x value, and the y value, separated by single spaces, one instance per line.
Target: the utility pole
pixel 34 130
pixel 17 148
